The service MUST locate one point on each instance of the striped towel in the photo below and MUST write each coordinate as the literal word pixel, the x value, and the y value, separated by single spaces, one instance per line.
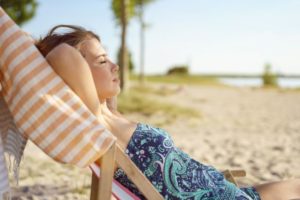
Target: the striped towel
pixel 43 107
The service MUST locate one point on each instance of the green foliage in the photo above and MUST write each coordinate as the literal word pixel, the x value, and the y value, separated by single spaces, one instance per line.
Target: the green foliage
pixel 133 8
pixel 130 62
pixel 20 11
pixel 161 92
pixel 139 5
pixel 142 2
pixel 116 8
pixel 178 70
pixel 268 78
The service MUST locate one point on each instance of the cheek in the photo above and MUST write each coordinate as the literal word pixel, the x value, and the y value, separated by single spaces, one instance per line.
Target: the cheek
pixel 101 79
pixel 98 74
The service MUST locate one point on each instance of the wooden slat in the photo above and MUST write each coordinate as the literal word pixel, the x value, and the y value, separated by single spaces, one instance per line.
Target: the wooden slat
pixel 136 176
pixel 231 174
pixel 94 187
pixel 229 177
pixel 238 173
pixel 101 189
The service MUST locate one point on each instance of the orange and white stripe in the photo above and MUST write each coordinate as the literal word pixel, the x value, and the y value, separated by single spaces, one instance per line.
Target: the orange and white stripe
pixel 44 108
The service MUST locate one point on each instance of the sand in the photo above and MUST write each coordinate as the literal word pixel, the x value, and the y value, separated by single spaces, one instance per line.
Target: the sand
pixel 254 129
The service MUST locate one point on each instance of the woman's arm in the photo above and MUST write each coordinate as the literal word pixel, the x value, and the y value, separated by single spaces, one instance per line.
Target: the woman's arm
pixel 69 64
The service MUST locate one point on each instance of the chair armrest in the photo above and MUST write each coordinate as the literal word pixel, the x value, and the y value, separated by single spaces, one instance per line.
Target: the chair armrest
pixel 230 174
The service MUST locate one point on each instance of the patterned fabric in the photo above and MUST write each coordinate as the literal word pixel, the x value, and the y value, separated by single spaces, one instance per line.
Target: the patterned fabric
pixel 251 192
pixel 173 173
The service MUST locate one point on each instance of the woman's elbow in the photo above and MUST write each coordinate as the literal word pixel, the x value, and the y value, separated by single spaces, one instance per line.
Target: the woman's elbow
pixel 64 59
pixel 59 53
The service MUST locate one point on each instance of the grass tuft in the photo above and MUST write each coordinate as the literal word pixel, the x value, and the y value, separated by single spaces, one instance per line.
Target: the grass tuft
pixel 181 79
pixel 143 100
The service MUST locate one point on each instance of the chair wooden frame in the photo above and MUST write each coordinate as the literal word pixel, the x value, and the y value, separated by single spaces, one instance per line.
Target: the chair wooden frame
pixel 231 175
pixel 101 187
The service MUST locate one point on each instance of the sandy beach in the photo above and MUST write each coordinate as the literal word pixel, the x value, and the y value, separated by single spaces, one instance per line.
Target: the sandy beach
pixel 254 129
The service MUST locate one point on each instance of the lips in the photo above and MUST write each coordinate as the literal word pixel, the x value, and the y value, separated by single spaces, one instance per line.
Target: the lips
pixel 116 80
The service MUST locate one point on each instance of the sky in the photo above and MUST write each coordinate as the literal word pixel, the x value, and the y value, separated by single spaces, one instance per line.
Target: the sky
pixel 211 36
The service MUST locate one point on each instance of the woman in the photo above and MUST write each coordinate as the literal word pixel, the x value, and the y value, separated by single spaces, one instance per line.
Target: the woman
pixel 80 59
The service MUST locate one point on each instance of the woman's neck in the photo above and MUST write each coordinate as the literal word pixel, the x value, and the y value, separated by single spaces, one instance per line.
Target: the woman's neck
pixel 116 123
pixel 101 109
pixel 111 119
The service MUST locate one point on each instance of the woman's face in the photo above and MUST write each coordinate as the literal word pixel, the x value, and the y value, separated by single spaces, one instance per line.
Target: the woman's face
pixel 105 73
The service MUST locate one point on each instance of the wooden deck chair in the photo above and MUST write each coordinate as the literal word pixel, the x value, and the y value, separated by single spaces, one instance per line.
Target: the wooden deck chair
pixel 100 188
pixel 47 111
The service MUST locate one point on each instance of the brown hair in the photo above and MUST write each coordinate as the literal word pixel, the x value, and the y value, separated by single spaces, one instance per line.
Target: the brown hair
pixel 73 38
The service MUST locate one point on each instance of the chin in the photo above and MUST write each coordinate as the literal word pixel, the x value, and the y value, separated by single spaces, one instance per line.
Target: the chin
pixel 118 90
pixel 114 93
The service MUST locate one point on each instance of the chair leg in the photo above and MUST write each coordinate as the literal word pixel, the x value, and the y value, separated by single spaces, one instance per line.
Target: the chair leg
pixel 94 187
pixel 101 188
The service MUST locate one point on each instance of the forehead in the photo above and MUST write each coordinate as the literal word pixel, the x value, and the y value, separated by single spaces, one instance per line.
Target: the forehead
pixel 92 47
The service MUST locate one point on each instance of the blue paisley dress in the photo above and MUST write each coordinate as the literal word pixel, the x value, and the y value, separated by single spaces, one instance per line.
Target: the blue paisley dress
pixel 173 173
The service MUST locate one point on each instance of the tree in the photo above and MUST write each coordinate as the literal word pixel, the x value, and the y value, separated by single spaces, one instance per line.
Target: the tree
pixel 130 61
pixel 139 10
pixel 123 11
pixel 20 11
pixel 269 79
pixel 178 70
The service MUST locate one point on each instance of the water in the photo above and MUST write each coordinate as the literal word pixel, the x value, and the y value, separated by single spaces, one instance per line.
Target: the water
pixel 256 82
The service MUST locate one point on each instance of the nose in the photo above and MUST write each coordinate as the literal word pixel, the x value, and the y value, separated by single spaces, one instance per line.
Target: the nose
pixel 115 67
